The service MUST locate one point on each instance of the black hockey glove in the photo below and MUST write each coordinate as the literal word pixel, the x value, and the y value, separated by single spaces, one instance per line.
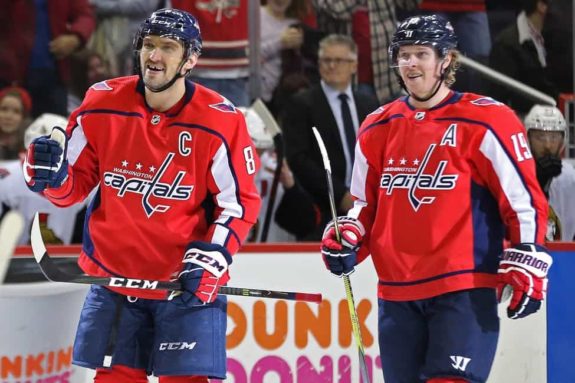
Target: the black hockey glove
pixel 547 167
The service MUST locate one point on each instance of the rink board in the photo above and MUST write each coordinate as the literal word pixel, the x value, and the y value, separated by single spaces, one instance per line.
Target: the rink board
pixel 273 341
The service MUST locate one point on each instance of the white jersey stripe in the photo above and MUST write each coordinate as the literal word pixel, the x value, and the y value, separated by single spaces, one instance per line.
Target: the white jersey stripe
pixel 358 182
pixel 227 198
pixel 77 142
pixel 512 186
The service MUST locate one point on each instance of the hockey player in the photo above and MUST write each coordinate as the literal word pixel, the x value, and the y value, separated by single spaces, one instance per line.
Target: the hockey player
pixel 14 195
pixel 546 129
pixel 440 180
pixel 176 198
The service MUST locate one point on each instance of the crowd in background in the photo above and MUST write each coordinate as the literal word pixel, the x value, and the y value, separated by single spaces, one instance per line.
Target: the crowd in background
pixel 52 51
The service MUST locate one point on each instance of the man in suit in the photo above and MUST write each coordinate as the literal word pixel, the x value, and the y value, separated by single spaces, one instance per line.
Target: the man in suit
pixel 336 111
pixel 519 51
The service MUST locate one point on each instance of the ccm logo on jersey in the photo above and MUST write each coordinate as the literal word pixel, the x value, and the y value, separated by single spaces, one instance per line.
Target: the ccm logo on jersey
pixel 149 188
pixel 420 181
pixel 176 346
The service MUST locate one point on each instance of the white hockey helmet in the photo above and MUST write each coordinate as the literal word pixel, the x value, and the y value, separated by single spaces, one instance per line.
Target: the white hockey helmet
pixel 42 126
pixel 545 117
pixel 259 133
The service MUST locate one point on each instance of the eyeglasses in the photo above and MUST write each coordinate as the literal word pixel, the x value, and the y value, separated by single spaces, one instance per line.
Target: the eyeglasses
pixel 327 61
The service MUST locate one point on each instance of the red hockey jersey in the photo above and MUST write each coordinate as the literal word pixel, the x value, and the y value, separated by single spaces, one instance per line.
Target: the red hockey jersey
pixel 438 190
pixel 165 179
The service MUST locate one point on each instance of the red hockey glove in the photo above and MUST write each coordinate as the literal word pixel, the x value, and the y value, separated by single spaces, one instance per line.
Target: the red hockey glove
pixel 524 268
pixel 341 258
pixel 205 269
pixel 45 164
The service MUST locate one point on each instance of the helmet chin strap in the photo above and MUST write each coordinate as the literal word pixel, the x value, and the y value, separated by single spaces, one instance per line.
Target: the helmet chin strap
pixel 169 83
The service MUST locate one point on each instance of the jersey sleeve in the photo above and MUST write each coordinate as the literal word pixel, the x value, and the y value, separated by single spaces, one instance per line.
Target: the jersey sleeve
pixel 364 184
pixel 82 165
pixel 506 166
pixel 231 181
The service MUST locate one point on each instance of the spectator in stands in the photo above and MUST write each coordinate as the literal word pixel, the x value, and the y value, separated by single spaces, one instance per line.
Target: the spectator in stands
pixel 469 20
pixel 118 22
pixel 558 34
pixel 88 68
pixel 547 130
pixel 37 39
pixel 500 14
pixel 336 110
pixel 279 31
pixel 371 23
pixel 15 106
pixel 519 52
pixel 224 64
pixel 293 215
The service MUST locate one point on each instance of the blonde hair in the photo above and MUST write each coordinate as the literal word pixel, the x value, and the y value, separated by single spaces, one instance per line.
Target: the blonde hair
pixel 452 68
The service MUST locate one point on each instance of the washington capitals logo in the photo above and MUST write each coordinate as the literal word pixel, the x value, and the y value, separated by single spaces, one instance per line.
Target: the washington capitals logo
pixel 224 106
pixel 484 101
pixel 415 179
pixel 102 85
pixel 221 8
pixel 128 181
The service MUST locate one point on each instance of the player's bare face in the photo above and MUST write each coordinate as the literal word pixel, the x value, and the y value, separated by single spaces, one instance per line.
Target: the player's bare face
pixel 545 143
pixel 337 65
pixel 160 59
pixel 419 68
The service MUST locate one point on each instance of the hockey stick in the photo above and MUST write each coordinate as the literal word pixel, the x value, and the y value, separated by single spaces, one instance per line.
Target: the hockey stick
pixel 271 124
pixel 347 283
pixel 279 145
pixel 10 231
pixel 55 274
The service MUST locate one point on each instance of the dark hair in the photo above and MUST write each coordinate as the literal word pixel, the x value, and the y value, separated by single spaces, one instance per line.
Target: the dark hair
pixel 298 9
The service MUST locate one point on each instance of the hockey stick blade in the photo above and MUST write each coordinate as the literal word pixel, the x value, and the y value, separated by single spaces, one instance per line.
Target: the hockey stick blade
pixel 11 229
pixel 347 283
pixel 55 274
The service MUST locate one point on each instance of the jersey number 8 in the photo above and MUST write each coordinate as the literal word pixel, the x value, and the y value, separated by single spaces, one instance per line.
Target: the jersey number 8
pixel 250 160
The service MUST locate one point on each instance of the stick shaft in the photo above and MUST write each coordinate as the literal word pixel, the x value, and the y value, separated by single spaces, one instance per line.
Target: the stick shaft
pixel 347 283
pixel 54 273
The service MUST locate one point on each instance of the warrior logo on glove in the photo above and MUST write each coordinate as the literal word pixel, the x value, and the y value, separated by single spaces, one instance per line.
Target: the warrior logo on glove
pixel 524 269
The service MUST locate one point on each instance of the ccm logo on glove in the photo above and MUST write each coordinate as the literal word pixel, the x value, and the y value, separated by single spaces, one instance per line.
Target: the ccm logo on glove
pixel 212 261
